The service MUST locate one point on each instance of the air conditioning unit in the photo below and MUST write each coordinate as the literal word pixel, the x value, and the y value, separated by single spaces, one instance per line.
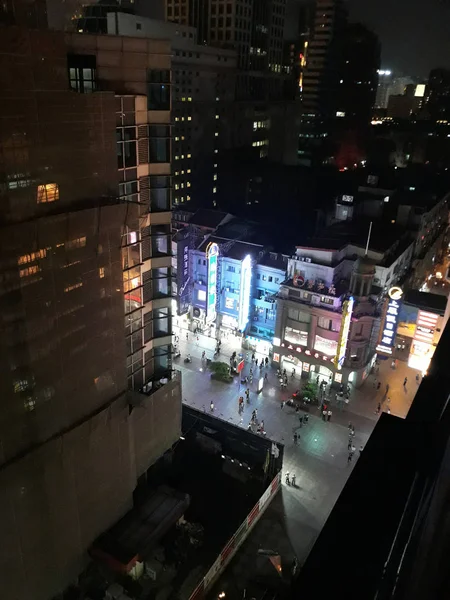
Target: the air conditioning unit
pixel 302 258
pixel 308 260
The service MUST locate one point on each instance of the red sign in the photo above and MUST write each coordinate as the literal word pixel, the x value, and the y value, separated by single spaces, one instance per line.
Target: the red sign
pixel 299 280
pixel 240 366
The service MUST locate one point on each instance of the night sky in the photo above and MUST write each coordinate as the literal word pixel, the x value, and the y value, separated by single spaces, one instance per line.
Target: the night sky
pixel 414 34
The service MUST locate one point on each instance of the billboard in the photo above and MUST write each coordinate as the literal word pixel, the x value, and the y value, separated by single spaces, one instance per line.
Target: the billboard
pixel 407 320
pixel 183 278
pixel 212 257
pixel 345 330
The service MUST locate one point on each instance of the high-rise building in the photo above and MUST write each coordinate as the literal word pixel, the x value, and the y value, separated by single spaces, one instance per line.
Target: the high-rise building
pixel 384 81
pixel 203 85
pixel 437 100
pixel 321 76
pixel 88 399
pixel 358 74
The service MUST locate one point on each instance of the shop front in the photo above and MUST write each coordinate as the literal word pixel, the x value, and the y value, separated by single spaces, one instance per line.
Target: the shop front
pixel 308 365
pixel 259 346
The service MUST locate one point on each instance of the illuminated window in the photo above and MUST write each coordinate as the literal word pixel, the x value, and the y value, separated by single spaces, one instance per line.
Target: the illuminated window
pixel 29 271
pixel 74 286
pixel 216 151
pixel 214 190
pixel 176 172
pixel 216 134
pixel 188 171
pixel 188 155
pixel 217 116
pixel 177 139
pixel 48 192
pixel 177 186
pixel 27 258
pixel 77 243
pixel 188 184
pixel 101 272
pixel 215 177
pixel 176 157
pixel 189 118
pixel 177 119
pixel 29 404
pixel 188 197
pixel 189 99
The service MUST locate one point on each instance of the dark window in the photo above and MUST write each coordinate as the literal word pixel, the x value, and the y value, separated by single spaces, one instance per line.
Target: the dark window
pixel 159 143
pixel 138 26
pixel 126 147
pixel 158 89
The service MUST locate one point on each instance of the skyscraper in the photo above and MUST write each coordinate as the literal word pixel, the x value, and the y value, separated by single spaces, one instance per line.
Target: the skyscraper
pixel 358 74
pixel 384 81
pixel 321 76
pixel 437 100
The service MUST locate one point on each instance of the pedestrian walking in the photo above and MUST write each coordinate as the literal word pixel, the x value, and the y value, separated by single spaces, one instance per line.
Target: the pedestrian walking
pixel 266 377
pixel 293 479
pixel 266 360
pixel 387 388
pixel 378 385
pixel 247 394
pixel 378 408
pixel 253 357
pixel 256 362
pixel 295 437
pixel 293 373
pixel 305 419
pixel 349 458
pixel 405 381
pixel 324 414
pixel 251 372
pixel 350 426
pixel 211 406
pixel 203 355
pixel 197 340
pixel 287 478
pixel 349 445
pixel 282 404
pixel 329 413
pixel 262 426
pixel 300 421
pixel 187 336
pixel 361 448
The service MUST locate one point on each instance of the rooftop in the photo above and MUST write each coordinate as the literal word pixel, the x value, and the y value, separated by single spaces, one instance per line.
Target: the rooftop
pixel 426 301
pixel 235 250
pixel 387 239
pixel 208 218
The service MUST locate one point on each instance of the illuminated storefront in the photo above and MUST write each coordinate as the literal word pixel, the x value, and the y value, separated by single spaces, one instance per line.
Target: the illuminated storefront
pixel 422 348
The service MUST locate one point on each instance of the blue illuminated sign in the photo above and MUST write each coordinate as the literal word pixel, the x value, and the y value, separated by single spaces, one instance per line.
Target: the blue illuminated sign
pixel 212 256
pixel 391 318
pixel 244 292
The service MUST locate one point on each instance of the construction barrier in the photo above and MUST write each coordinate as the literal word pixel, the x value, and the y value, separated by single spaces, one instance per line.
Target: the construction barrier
pixel 236 541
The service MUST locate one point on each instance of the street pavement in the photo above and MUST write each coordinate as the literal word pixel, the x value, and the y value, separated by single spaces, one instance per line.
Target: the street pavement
pixel 320 457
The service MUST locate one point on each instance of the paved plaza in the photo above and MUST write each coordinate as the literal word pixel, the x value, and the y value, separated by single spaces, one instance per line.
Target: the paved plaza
pixel 319 459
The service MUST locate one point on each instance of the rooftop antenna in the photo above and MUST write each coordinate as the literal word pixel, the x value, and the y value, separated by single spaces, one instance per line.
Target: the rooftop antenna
pixel 368 238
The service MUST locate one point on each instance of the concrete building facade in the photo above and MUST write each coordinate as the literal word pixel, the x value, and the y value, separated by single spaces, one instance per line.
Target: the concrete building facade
pixel 74 439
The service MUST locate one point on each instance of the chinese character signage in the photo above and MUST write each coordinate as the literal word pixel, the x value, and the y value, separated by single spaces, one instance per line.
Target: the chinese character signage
pixel 183 278
pixel 212 256
pixel 389 325
pixel 345 330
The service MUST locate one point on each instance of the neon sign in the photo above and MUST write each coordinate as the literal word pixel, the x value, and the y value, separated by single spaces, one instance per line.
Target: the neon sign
pixel 244 292
pixel 343 336
pixel 390 324
pixel 212 255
